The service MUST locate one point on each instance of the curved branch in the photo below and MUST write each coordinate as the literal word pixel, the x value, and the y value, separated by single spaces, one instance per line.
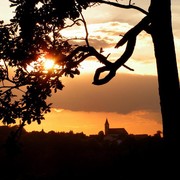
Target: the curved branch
pixel 86 29
pixel 129 6
pixel 113 68
pixel 74 22
pixel 99 56
pixel 91 52
pixel 130 38
pixel 107 78
pixel 142 25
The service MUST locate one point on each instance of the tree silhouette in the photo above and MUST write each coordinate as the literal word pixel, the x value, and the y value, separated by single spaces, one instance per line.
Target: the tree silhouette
pixel 35 33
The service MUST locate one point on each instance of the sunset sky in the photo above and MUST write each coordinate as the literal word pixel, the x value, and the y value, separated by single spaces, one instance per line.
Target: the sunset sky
pixel 130 99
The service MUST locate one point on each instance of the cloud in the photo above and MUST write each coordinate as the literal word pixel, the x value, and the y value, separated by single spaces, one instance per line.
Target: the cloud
pixel 123 94
pixel 105 13
pixel 107 33
pixel 99 42
pixel 175 17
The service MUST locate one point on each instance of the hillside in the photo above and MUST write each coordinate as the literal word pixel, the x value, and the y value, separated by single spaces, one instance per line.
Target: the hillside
pixel 54 156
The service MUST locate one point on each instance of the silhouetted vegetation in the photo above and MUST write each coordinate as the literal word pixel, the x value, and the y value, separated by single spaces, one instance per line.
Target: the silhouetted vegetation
pixel 52 156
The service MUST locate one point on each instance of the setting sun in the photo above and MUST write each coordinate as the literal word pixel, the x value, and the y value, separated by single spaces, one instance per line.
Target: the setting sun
pixel 49 64
pixel 43 63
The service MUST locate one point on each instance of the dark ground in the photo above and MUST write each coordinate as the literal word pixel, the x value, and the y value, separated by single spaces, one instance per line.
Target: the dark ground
pixel 55 156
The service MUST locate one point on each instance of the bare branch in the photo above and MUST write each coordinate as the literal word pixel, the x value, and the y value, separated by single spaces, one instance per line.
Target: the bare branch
pixel 74 22
pixel 86 29
pixel 130 38
pixel 142 25
pixel 92 52
pixel 112 69
pixel 129 6
pixel 128 67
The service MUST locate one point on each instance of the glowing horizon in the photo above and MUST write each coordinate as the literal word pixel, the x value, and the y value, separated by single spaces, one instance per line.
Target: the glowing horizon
pixel 66 120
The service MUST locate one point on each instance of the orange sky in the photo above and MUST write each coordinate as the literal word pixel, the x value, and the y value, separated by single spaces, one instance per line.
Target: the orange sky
pixel 131 99
pixel 138 122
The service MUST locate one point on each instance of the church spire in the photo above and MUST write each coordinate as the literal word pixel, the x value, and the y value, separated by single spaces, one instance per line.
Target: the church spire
pixel 106 126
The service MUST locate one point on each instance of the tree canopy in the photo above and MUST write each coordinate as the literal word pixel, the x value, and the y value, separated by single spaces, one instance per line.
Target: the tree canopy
pixel 34 33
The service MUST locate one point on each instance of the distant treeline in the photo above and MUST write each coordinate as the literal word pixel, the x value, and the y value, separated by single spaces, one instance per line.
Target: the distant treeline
pixel 55 156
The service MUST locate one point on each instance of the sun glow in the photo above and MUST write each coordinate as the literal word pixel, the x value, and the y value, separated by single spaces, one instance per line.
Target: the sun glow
pixel 89 66
pixel 48 64
pixel 43 63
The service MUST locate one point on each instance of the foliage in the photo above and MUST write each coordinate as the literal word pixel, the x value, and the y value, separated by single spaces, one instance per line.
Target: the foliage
pixel 32 34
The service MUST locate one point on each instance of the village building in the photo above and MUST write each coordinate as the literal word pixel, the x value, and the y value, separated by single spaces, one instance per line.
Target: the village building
pixel 114 134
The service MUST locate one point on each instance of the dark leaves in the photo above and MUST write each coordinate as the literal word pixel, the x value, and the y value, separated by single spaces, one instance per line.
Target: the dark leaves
pixel 35 30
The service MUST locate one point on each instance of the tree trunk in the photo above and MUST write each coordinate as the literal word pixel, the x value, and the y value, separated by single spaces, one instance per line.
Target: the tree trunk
pixel 169 90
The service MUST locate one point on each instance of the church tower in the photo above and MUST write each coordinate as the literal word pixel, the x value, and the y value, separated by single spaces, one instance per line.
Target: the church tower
pixel 106 126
